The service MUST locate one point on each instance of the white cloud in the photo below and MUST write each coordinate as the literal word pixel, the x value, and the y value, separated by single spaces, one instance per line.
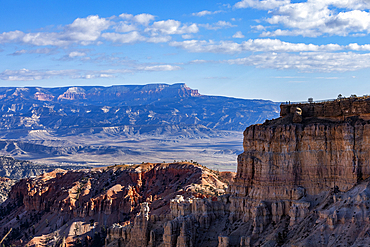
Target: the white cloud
pixel 238 35
pixel 124 38
pixel 30 75
pixel 264 4
pixel 187 36
pixel 17 53
pixel 35 51
pixel 144 19
pixel 76 54
pixel 316 17
pixel 171 27
pixel 82 30
pixel 125 27
pixel 259 27
pixel 206 12
pixel 86 29
pixel 126 16
pixel 198 61
pixel 252 45
pixel 160 68
pixel 217 25
pixel 159 39
pixel 357 47
pixel 93 30
pixel 307 61
pixel 11 36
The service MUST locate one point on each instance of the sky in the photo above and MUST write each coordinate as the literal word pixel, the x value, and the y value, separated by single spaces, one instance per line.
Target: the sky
pixel 281 50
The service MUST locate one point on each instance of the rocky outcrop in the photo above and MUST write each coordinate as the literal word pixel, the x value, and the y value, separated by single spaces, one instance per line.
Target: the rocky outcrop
pixel 5 186
pixel 70 206
pixel 18 169
pixel 302 179
pixel 336 110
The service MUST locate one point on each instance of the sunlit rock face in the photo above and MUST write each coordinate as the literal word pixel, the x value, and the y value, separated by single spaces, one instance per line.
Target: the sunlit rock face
pixel 301 181
pixel 327 149
pixel 66 207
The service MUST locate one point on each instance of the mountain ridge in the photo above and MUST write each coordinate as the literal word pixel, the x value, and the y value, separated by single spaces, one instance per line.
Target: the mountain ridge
pixel 153 104
pixel 134 118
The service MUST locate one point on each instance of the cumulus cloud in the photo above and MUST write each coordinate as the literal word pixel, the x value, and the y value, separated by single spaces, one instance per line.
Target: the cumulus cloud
pixel 171 27
pixel 123 38
pixel 82 30
pixel 307 61
pixel 125 27
pixel 143 19
pixel 206 12
pixel 314 17
pixel 264 4
pixel 217 25
pixel 94 29
pixel 86 29
pixel 238 35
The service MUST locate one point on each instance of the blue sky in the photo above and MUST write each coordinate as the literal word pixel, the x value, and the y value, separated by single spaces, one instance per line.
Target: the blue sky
pixel 271 49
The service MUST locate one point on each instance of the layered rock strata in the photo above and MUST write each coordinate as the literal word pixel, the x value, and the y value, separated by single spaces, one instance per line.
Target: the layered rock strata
pixel 66 207
pixel 302 179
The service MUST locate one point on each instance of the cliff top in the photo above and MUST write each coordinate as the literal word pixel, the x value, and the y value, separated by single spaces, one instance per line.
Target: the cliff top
pixel 333 110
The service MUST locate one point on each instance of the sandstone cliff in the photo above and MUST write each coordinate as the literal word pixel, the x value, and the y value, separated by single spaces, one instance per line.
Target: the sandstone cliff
pixel 66 207
pixel 302 180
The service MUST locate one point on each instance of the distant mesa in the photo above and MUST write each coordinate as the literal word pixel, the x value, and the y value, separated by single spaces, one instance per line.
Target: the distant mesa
pixel 73 93
pixel 302 180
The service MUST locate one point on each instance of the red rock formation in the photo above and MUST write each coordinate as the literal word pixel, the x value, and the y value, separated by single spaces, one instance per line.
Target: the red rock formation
pixel 285 160
pixel 302 179
pixel 75 204
pixel 299 182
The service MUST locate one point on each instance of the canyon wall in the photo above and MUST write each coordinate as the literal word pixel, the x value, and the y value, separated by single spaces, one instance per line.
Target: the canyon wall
pixel 302 180
pixel 283 159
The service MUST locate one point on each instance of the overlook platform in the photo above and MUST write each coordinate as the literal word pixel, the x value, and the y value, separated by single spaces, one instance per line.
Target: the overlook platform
pixel 337 109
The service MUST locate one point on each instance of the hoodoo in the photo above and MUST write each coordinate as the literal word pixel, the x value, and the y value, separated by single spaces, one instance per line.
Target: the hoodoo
pixel 302 180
